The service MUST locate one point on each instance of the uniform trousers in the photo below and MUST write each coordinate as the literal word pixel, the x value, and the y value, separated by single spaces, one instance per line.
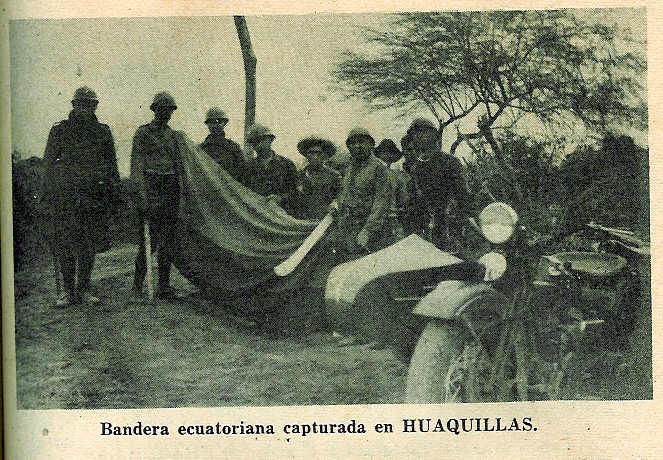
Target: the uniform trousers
pixel 163 195
pixel 76 253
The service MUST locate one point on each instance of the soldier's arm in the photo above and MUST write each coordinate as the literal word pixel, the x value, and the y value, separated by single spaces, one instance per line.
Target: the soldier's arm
pixel 338 180
pixel 336 204
pixel 381 202
pixel 111 158
pixel 238 155
pixel 112 171
pixel 50 156
pixel 461 191
pixel 136 175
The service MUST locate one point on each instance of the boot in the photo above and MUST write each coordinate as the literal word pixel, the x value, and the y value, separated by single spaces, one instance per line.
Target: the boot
pixel 168 293
pixel 64 298
pixel 88 299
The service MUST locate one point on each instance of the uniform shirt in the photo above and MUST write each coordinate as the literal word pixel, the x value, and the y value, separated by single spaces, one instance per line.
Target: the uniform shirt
pixel 434 183
pixel 364 200
pixel 315 190
pixel 276 177
pixel 154 151
pixel 399 185
pixel 225 152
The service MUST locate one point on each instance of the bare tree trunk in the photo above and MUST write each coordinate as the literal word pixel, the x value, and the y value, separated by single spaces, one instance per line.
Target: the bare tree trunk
pixel 250 63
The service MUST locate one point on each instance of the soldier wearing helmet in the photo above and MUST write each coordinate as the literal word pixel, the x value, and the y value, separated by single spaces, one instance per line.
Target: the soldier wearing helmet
pixel 224 151
pixel 81 187
pixel 364 200
pixel 269 174
pixel 156 176
pixel 389 153
pixel 437 179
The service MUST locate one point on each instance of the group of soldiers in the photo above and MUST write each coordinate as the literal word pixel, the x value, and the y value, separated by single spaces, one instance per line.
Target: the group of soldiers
pixel 380 195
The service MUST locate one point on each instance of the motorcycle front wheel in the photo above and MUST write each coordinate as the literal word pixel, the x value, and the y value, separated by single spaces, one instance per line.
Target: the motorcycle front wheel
pixel 448 365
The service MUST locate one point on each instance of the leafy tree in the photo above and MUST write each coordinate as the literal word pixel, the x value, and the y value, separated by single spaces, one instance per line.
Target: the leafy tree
pixel 549 66
pixel 505 69
pixel 609 185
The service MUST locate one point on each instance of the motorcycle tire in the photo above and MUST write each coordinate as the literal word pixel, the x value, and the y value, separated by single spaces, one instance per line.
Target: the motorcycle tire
pixel 432 375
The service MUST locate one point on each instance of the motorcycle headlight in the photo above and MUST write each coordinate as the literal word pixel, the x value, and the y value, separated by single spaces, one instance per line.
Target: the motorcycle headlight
pixel 498 222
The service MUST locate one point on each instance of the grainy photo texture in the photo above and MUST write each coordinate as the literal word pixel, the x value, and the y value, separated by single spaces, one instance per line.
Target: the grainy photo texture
pixel 331 209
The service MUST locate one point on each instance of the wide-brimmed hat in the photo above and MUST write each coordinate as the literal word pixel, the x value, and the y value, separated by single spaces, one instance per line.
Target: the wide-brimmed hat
pixel 326 146
pixel 388 148
pixel 405 140
pixel 422 123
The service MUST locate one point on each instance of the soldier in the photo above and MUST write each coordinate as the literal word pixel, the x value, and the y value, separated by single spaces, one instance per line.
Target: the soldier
pixel 317 184
pixel 389 153
pixel 156 175
pixel 223 150
pixel 437 178
pixel 81 185
pixel 269 174
pixel 363 203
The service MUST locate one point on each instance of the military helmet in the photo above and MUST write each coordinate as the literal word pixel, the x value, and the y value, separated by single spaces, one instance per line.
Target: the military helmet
pixel 215 113
pixel 85 93
pixel 327 147
pixel 421 123
pixel 163 99
pixel 359 132
pixel 258 131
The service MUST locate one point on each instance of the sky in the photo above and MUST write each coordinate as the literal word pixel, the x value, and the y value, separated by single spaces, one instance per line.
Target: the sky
pixel 198 60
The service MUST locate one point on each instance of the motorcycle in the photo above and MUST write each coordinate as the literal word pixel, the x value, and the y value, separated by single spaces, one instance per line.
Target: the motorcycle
pixel 424 303
pixel 474 331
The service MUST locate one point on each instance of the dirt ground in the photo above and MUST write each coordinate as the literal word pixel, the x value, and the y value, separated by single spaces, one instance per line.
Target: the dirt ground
pixel 191 353
pixel 177 354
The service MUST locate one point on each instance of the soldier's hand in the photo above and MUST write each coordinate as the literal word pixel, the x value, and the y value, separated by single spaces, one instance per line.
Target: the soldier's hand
pixel 495 264
pixel 333 208
pixel 362 239
pixel 275 198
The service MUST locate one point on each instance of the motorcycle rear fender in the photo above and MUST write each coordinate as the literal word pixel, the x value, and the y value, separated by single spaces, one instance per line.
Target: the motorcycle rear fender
pixel 452 299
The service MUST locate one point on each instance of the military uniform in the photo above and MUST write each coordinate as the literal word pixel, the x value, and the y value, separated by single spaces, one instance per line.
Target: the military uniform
pixel 363 204
pixel 315 191
pixel 277 176
pixel 81 185
pixel 156 172
pixel 433 185
pixel 225 152
pixel 399 200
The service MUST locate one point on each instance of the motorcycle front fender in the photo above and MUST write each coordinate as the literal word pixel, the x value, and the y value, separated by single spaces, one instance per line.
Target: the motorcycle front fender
pixel 454 299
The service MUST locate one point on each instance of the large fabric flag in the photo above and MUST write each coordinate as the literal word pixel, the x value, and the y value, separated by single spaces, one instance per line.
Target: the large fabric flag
pixel 230 237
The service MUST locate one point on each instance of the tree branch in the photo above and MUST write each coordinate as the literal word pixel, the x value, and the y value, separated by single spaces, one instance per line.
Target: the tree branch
pixel 250 63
